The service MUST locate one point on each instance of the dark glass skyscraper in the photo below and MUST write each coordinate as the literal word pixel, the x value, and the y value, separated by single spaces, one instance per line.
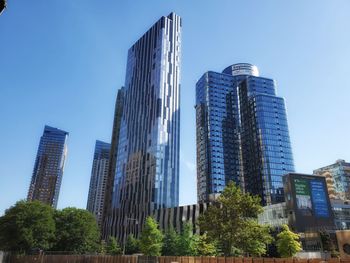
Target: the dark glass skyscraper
pixel 242 134
pixel 147 163
pixel 107 211
pixel 98 180
pixel 49 164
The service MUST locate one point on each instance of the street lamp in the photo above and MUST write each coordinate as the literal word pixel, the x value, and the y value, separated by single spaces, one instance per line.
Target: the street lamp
pixel 2 5
pixel 125 228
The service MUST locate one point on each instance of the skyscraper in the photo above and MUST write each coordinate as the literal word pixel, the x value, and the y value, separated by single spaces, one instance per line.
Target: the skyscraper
pixel 337 178
pixel 242 134
pixel 98 181
pixel 147 163
pixel 112 160
pixel 49 164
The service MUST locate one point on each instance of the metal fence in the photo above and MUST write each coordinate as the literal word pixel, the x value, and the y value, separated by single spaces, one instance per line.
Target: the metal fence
pixel 144 259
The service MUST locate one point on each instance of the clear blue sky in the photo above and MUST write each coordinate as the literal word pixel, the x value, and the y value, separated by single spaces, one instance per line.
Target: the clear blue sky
pixel 62 62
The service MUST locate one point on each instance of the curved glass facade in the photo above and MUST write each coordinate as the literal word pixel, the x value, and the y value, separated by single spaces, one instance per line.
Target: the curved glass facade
pixel 147 163
pixel 49 164
pixel 242 134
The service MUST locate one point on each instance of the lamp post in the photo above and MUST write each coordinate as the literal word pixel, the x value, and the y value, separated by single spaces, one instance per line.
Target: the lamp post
pixel 125 228
pixel 3 5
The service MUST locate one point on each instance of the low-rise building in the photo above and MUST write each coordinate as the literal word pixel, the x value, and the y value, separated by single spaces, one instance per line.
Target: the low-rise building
pixel 341 211
pixel 338 179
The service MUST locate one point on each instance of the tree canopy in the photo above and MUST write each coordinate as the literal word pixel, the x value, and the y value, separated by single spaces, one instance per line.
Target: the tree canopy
pixel 113 247
pixel 27 225
pixel 231 221
pixel 287 243
pixel 132 245
pixel 151 238
pixel 76 230
pixel 170 242
pixel 203 246
pixel 186 241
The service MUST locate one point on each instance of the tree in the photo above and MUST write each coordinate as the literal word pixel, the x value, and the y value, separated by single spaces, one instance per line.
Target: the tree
pixel 186 244
pixel 255 238
pixel 113 247
pixel 287 242
pixel 231 221
pixel 27 225
pixel 203 246
pixel 151 238
pixel 103 247
pixel 132 245
pixel 170 243
pixel 76 230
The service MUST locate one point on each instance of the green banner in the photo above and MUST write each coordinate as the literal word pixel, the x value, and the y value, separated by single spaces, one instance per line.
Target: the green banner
pixel 301 187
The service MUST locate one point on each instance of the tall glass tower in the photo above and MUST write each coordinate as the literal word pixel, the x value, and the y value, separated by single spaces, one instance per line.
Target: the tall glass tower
pixel 98 180
pixel 107 211
pixel 147 163
pixel 242 134
pixel 49 164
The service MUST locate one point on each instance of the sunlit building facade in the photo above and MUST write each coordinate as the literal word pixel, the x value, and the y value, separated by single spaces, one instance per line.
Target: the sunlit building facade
pixel 242 134
pixel 98 180
pixel 49 164
pixel 147 162
pixel 338 179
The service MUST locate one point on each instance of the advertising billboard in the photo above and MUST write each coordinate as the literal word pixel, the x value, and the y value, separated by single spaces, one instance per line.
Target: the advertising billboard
pixel 319 198
pixel 311 197
pixel 307 202
pixel 303 196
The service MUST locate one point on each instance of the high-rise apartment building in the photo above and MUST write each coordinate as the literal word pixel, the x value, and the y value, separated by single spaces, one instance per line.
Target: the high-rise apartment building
pixel 112 159
pixel 49 164
pixel 242 134
pixel 147 162
pixel 98 181
pixel 337 178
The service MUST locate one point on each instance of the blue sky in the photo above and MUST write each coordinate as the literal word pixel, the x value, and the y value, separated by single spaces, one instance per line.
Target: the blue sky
pixel 62 62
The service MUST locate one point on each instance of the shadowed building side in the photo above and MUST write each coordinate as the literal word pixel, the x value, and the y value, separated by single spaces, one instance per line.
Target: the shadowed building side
pixel 107 210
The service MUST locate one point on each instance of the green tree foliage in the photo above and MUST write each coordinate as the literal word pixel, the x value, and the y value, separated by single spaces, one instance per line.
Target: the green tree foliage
pixel 232 222
pixel 103 247
pixel 113 247
pixel 27 225
pixel 186 242
pixel 151 238
pixel 255 238
pixel 132 245
pixel 76 230
pixel 287 243
pixel 170 243
pixel 203 246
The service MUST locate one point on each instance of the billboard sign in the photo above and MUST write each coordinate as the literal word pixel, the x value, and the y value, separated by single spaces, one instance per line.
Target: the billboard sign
pixel 307 202
pixel 303 196
pixel 311 197
pixel 319 198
